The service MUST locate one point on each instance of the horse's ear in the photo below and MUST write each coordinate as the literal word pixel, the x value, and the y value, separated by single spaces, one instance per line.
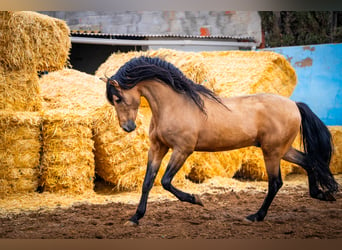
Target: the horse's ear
pixel 103 79
pixel 114 83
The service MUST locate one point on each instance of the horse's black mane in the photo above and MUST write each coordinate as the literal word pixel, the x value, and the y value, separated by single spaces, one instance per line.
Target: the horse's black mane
pixel 145 68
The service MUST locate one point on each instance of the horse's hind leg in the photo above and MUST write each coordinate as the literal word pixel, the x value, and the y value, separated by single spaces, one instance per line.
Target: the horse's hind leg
pixel 274 184
pixel 299 158
pixel 176 162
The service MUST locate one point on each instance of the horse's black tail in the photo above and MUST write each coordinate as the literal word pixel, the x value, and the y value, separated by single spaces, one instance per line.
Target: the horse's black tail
pixel 318 147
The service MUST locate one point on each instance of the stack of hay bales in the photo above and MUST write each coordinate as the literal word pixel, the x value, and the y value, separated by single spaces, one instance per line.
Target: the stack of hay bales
pixel 29 42
pixel 69 98
pixel 226 73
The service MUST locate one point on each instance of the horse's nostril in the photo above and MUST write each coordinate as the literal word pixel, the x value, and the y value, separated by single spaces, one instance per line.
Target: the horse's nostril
pixel 129 126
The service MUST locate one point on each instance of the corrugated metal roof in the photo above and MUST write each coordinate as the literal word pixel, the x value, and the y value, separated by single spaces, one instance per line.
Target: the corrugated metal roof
pixel 158 36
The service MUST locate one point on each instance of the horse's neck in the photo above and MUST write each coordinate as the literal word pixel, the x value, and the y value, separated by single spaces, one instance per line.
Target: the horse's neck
pixel 158 95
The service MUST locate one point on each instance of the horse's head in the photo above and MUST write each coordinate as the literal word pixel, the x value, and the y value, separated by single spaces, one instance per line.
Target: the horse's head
pixel 126 103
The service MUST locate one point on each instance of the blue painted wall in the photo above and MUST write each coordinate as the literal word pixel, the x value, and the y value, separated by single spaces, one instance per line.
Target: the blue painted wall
pixel 319 73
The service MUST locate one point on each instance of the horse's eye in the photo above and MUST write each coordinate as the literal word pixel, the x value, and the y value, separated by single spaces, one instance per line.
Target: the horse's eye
pixel 117 99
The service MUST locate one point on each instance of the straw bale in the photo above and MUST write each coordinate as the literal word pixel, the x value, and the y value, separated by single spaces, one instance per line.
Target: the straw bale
pixel 336 160
pixel 17 186
pixel 19 91
pixel 205 165
pixel 72 90
pixel 33 42
pixel 20 147
pixel 67 163
pixel 234 73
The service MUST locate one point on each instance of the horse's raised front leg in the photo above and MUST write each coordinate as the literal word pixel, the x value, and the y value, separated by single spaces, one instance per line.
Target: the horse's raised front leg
pixel 155 156
pixel 176 162
pixel 274 184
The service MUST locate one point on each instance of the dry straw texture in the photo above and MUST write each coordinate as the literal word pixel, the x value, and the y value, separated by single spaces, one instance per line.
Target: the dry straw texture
pixel 20 147
pixel 72 90
pixel 19 91
pixel 234 73
pixel 336 161
pixel 67 163
pixel 32 42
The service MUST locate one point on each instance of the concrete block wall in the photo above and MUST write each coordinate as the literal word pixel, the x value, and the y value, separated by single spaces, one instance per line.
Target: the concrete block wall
pixel 228 23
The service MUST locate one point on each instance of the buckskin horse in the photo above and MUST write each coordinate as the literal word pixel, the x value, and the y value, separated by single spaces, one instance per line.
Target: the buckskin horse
pixel 188 117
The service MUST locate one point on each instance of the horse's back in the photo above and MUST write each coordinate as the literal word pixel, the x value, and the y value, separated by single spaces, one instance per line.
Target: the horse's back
pixel 249 120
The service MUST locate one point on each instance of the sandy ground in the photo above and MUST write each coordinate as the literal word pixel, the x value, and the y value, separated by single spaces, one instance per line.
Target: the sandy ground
pixel 102 214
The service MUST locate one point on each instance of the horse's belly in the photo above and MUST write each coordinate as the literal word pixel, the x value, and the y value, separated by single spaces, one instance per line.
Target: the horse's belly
pixel 228 139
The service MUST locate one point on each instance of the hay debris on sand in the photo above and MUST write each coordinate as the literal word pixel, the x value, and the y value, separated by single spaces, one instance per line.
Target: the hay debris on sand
pixel 20 147
pixel 33 42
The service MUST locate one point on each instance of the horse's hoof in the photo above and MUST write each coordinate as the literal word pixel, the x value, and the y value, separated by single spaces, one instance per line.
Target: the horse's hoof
pixel 251 218
pixel 329 197
pixel 131 223
pixel 324 196
pixel 198 200
pixel 254 217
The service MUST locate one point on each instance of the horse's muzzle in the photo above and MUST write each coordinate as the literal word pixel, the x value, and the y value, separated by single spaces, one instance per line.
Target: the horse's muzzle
pixel 129 126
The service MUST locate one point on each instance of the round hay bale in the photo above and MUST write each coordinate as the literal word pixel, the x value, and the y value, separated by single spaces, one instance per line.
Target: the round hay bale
pixel 232 73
